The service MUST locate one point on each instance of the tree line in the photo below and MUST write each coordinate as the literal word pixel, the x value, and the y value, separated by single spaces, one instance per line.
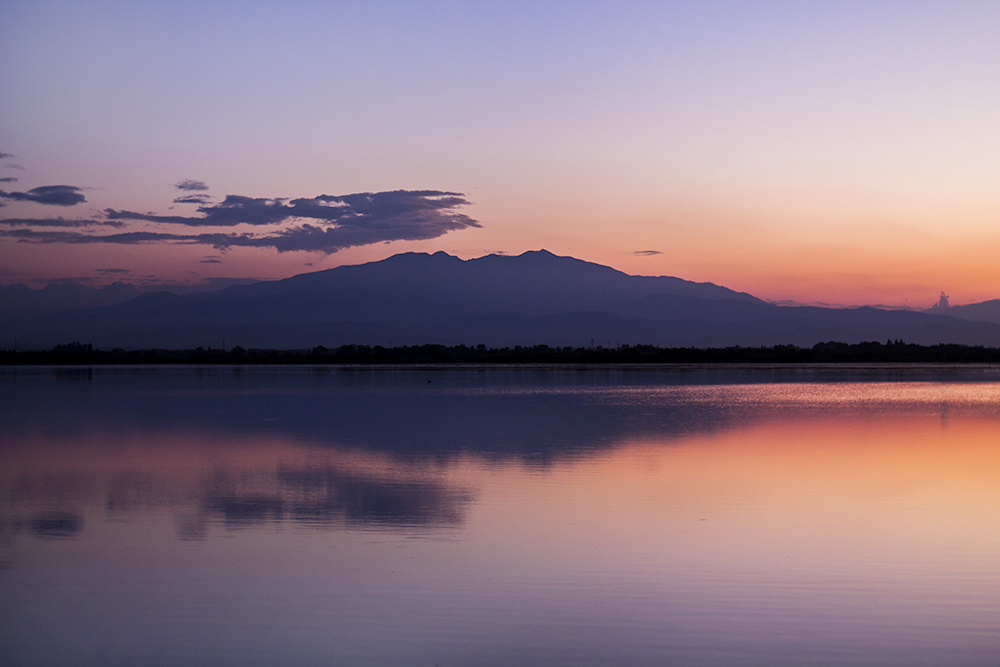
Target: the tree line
pixel 828 352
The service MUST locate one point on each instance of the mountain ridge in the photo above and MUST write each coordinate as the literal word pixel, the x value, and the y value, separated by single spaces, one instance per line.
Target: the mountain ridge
pixel 533 298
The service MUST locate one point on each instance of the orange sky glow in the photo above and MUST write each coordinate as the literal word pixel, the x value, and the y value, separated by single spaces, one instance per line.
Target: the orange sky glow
pixel 820 153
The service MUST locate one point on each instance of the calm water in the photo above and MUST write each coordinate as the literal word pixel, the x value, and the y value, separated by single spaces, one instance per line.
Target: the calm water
pixel 533 516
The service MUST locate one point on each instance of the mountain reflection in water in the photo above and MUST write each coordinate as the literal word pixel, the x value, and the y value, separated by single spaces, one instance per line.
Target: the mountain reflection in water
pixel 500 516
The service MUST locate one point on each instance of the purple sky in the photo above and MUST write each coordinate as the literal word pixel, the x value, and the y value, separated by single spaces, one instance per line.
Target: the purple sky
pixel 839 152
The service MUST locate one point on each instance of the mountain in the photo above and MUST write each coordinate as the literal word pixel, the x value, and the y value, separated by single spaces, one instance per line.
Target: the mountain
pixel 533 298
pixel 987 311
pixel 64 295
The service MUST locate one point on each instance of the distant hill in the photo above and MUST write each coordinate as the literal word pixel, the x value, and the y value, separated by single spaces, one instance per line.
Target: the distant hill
pixel 64 295
pixel 987 311
pixel 533 298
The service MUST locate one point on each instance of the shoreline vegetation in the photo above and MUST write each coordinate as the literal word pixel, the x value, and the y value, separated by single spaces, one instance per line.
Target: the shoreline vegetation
pixel 822 353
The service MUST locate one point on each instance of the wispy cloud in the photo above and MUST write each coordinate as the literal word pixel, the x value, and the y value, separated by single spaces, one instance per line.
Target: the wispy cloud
pixel 60 222
pixel 53 195
pixel 8 179
pixel 192 199
pixel 647 253
pixel 4 156
pixel 191 185
pixel 125 238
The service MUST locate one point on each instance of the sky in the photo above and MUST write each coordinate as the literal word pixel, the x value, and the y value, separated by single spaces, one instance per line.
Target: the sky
pixel 842 152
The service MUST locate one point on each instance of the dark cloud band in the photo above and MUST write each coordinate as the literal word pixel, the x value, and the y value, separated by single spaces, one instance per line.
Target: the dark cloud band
pixel 192 199
pixel 60 222
pixel 53 195
pixel 325 223
pixel 191 185
pixel 360 208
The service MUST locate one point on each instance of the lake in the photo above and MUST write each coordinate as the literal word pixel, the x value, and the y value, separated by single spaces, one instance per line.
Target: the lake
pixel 495 516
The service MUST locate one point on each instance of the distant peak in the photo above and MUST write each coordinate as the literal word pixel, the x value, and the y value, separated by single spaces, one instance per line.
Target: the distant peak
pixel 539 254
pixel 417 256
pixel 542 253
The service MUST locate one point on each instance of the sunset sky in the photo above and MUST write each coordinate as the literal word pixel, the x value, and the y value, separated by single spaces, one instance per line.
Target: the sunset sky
pixel 815 152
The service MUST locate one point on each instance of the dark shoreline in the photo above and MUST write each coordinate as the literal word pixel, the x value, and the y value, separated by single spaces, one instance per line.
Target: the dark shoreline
pixel 891 352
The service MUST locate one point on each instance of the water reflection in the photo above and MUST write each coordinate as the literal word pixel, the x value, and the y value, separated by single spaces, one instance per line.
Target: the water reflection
pixel 327 489
pixel 52 524
pixel 534 413
pixel 208 516
pixel 329 497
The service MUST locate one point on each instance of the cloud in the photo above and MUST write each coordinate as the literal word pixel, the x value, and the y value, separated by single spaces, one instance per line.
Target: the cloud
pixel 53 195
pixel 191 185
pixel 331 239
pixel 8 179
pixel 647 253
pixel 4 156
pixel 60 222
pixel 14 166
pixel 124 238
pixel 210 260
pixel 192 199
pixel 113 272
pixel 325 223
pixel 362 209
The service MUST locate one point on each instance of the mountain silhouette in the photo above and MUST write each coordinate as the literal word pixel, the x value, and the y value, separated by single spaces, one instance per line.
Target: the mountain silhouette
pixel 986 311
pixel 64 295
pixel 533 298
